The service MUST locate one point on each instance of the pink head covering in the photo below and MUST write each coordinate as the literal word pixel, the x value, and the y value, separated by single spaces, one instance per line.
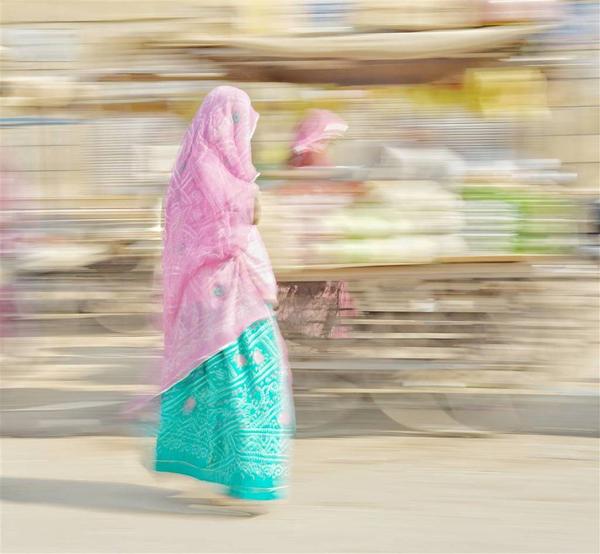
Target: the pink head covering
pixel 217 278
pixel 318 127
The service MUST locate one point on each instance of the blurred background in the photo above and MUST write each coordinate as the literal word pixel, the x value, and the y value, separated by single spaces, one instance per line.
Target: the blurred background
pixel 438 273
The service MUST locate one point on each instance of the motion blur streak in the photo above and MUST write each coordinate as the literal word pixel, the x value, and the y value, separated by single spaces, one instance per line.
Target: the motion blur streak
pixel 437 260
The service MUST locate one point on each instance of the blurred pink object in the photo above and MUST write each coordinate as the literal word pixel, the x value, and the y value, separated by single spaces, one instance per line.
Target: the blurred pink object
pixel 217 277
pixel 313 309
pixel 316 130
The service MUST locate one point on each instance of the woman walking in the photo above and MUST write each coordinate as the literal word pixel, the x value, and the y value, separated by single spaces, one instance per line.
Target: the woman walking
pixel 226 407
pixel 312 309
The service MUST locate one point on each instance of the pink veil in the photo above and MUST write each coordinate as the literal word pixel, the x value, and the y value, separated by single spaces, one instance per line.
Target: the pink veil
pixel 217 277
pixel 318 126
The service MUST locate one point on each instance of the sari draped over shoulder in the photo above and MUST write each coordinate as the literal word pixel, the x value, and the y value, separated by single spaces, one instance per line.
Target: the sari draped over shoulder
pixel 217 278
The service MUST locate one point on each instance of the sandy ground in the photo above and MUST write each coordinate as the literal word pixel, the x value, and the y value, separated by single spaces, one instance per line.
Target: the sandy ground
pixel 509 494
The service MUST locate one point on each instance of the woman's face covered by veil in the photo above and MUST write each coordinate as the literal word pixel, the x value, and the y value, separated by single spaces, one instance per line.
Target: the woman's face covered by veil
pixel 225 124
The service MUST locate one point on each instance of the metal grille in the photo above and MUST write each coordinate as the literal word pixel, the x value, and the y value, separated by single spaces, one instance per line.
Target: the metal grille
pixel 133 154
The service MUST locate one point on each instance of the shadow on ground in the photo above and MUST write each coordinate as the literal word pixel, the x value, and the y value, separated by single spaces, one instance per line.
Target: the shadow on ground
pixel 108 496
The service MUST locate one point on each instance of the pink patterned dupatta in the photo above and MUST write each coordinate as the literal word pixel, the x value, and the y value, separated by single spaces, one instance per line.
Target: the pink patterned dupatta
pixel 217 277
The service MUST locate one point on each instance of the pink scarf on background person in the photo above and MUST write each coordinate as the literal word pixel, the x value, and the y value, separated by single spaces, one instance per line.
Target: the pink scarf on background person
pixel 316 129
pixel 217 277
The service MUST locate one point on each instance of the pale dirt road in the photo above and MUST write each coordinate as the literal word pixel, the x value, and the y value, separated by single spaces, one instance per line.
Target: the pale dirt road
pixel 510 494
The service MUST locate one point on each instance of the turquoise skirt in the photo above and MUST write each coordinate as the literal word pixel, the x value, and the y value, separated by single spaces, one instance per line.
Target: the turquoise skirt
pixel 230 421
